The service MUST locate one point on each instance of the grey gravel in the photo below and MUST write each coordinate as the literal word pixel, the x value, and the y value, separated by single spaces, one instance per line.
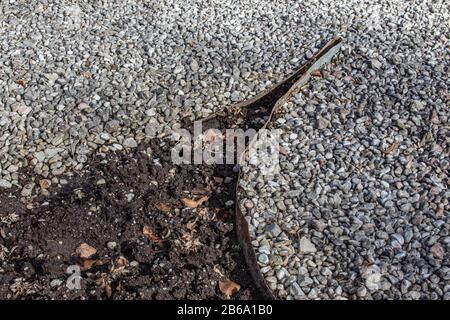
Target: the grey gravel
pixel 5 184
pixel 360 207
pixel 364 171
pixel 306 246
pixel 111 245
pixel 56 283
pixel 273 229
pixel 82 77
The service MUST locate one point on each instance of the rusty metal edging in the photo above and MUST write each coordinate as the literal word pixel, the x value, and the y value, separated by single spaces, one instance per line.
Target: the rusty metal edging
pixel 296 81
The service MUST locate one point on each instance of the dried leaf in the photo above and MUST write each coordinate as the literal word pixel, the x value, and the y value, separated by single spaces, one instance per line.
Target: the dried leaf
pixel 211 136
pixel 85 251
pixel 228 288
pixel 202 199
pixel 163 207
pixel 409 164
pixel 193 203
pixel 44 183
pixel 150 234
pixel 185 114
pixel 435 117
pixel 189 203
pixel 119 287
pixel 21 82
pixel 191 225
pixel 108 289
pixel 316 73
pixel 87 264
pixel 391 148
pixel 348 79
pixel 439 212
pixel 200 191
pixel 121 261
pixel 217 270
pixel 203 213
pixel 189 241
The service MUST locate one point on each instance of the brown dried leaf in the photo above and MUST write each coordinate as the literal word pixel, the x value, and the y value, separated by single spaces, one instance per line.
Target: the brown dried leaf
pixel 203 213
pixel 202 199
pixel 193 203
pixel 228 287
pixel 189 241
pixel 185 114
pixel 150 234
pixel 435 117
pixel 119 287
pixel 21 82
pixel 211 136
pixel 391 148
pixel 200 191
pixel 108 289
pixel 44 183
pixel 348 79
pixel 316 73
pixel 189 203
pixel 121 261
pixel 217 270
pixel 409 164
pixel 191 225
pixel 85 251
pixel 163 207
pixel 439 212
pixel 87 264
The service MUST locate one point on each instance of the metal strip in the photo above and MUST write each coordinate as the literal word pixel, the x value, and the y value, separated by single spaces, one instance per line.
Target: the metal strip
pixel 295 82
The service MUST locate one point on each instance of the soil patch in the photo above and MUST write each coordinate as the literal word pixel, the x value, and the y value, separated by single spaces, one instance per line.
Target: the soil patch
pixel 136 213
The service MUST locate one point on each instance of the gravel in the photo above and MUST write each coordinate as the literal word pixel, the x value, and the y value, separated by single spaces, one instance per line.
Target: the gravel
pixel 364 171
pixel 360 207
pixel 84 77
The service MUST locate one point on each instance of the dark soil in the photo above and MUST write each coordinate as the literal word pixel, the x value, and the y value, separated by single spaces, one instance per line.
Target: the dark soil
pixel 187 252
